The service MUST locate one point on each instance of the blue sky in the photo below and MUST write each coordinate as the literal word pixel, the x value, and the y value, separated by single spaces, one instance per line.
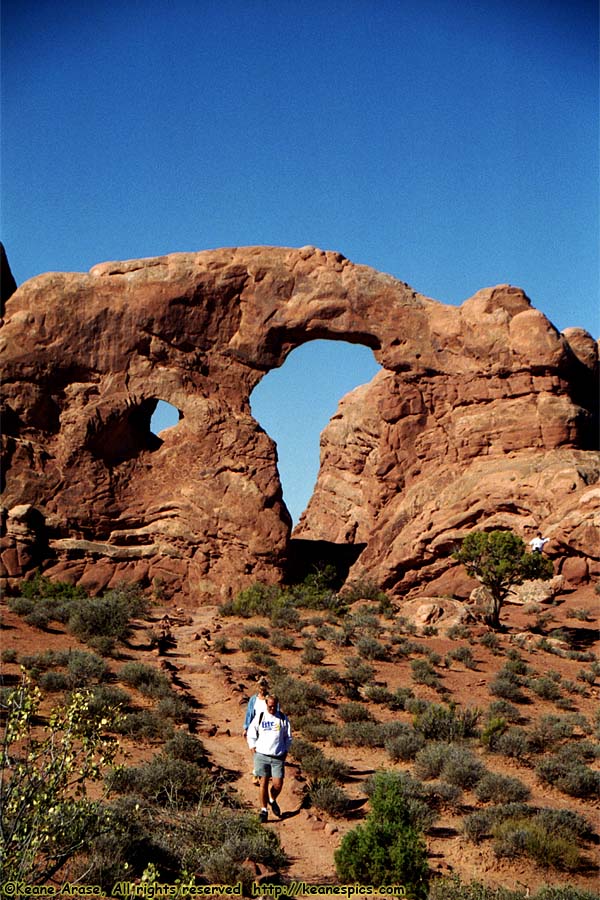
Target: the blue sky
pixel 451 144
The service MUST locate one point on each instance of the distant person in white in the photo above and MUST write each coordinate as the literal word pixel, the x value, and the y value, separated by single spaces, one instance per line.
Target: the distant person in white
pixel 537 543
pixel 269 737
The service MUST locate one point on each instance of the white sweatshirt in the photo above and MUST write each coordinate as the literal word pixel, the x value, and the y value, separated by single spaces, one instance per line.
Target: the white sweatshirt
pixel 270 735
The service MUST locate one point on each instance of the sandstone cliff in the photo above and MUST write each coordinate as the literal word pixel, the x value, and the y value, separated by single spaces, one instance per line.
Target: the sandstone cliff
pixel 484 415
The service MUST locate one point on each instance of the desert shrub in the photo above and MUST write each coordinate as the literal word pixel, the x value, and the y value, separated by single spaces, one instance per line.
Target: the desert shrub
pixel 85 667
pixel 107 696
pixel 501 789
pixel 54 682
pixel 491 640
pixel 464 655
pixel 297 697
pixel 325 794
pixel 478 825
pixel 354 712
pixel 424 673
pixel 104 621
pixel 364 589
pixel 494 727
pixel 257 600
pixel 545 688
pixel 326 675
pixel 447 723
pixel 404 746
pixel 418 797
pixel 456 765
pixel 508 687
pixel 503 709
pixel 315 763
pixel 456 632
pixel 369 647
pixel 548 731
pixel 164 780
pixel 387 848
pixel 9 655
pixel 455 889
pixel 145 724
pixel 528 837
pixel 176 708
pixel 285 616
pixel 364 619
pixel 282 641
pixel 39 618
pixel 254 630
pixel 400 698
pixel 565 771
pixel 254 645
pixel 356 674
pixel 55 598
pixel 146 679
pixel 361 734
pixel 416 705
pixel 583 615
pixel 311 654
pixel 514 743
pixel 186 747
pixel 313 728
pixel 377 693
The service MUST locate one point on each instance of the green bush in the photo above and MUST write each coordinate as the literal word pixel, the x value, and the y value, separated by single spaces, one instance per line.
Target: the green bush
pixel 387 848
pixel 186 747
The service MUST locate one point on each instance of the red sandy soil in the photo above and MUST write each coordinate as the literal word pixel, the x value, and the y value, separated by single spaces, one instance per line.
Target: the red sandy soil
pixel 222 682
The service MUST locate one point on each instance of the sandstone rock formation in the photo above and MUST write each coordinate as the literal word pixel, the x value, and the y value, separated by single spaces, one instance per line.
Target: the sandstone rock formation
pixel 484 415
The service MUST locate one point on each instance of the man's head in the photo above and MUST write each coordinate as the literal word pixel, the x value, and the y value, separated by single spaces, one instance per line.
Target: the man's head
pixel 271 704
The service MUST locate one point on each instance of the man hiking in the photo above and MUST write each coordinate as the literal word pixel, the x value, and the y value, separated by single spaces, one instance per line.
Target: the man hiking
pixel 269 738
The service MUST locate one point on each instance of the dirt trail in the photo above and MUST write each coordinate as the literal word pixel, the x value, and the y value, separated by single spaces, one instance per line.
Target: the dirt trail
pixel 309 840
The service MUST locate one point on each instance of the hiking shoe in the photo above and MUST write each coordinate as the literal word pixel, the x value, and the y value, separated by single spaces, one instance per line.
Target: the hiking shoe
pixel 263 815
pixel 275 807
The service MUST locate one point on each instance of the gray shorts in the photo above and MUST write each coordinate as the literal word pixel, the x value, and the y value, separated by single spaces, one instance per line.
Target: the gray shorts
pixel 272 766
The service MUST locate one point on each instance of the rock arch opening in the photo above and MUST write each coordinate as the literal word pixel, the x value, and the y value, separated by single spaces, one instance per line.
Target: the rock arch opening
pixel 293 404
pixel 126 434
pixel 164 416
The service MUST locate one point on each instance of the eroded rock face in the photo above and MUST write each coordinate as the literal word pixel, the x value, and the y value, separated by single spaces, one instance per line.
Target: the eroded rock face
pixel 475 402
